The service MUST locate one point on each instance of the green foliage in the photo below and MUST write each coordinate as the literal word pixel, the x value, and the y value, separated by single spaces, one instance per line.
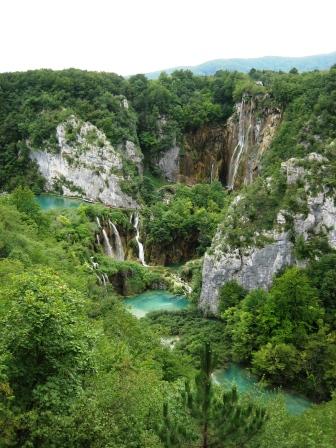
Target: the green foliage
pixel 314 429
pixel 194 331
pixel 222 421
pixel 35 102
pixel 230 294
pixel 322 274
pixel 283 332
pixel 45 348
pixel 184 226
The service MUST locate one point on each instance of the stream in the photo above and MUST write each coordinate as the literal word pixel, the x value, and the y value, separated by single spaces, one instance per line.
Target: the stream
pixel 245 382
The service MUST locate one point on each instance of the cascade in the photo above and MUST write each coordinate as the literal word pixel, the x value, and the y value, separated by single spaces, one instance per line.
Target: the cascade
pixel 99 279
pixel 94 264
pixel 137 237
pixel 98 222
pixel 98 240
pixel 212 172
pixel 119 254
pixel 105 279
pixel 107 245
pixel 239 149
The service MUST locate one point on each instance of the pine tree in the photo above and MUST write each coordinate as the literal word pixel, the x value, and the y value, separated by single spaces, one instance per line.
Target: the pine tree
pixel 224 420
pixel 171 433
pixel 235 423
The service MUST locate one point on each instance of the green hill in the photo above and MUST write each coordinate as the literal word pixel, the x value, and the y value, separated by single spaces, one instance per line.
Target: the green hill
pixel 276 63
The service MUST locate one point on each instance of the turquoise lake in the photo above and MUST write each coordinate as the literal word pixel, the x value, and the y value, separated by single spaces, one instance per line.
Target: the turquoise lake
pixel 49 202
pixel 149 301
pixel 247 383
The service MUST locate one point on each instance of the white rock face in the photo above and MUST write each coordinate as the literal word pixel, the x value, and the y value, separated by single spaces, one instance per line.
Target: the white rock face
pixel 256 267
pixel 87 167
pixel 169 164
pixel 133 153
pixel 250 131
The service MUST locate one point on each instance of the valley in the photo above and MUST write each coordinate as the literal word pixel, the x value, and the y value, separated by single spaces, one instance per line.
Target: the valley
pixel 149 227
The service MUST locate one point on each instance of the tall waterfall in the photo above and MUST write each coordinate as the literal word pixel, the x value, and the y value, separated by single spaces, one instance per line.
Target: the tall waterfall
pixel 107 244
pixel 242 140
pixel 212 172
pixel 137 237
pixel 119 250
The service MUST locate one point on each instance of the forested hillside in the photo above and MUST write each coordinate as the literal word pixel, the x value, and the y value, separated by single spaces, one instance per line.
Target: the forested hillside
pixel 274 63
pixel 219 188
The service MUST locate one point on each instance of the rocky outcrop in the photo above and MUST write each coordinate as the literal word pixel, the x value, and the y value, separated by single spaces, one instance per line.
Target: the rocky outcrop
pixel 252 268
pixel 133 153
pixel 229 152
pixel 86 164
pixel 321 216
pixel 169 164
pixel 250 132
pixel 255 267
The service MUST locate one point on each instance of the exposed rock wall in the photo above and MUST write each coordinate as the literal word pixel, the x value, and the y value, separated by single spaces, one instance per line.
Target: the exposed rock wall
pixel 255 267
pixel 169 163
pixel 229 152
pixel 86 164
pixel 250 132
pixel 252 268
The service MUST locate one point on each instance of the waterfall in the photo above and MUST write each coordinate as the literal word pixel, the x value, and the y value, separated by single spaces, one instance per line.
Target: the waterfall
pixel 137 237
pixel 99 279
pixel 98 222
pixel 119 253
pixel 239 149
pixel 94 264
pixel 211 172
pixel 107 245
pixel 105 279
pixel 98 239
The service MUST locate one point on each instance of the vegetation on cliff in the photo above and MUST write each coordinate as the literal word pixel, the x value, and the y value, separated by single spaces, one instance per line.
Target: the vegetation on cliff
pixel 76 369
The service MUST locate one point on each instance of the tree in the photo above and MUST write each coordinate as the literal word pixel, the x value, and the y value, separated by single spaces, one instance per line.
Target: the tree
pixel 293 305
pixel 170 432
pixel 45 349
pixel 221 419
pixel 24 200
pixel 230 295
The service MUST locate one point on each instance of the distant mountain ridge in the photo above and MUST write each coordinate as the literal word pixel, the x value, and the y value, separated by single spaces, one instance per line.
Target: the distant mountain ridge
pixel 276 63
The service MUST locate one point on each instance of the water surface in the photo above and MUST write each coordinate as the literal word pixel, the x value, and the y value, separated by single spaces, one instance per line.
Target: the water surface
pixel 155 301
pixel 248 383
pixel 50 201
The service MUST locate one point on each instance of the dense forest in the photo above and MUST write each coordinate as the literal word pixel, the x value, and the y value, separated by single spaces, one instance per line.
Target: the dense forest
pixel 76 368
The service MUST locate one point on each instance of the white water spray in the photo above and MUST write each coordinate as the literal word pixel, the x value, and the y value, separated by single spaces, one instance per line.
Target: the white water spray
pixel 239 149
pixel 212 172
pixel 137 237
pixel 107 245
pixel 119 252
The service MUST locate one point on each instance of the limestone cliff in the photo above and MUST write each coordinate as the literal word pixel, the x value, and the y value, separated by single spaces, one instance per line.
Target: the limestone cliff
pixel 229 152
pixel 87 165
pixel 256 265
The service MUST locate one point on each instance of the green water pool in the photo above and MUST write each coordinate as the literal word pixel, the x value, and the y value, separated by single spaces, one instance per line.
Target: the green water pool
pixel 149 301
pixel 49 202
pixel 247 383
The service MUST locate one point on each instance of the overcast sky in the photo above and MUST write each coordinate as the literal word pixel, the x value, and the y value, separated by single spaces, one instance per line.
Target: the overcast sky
pixel 137 36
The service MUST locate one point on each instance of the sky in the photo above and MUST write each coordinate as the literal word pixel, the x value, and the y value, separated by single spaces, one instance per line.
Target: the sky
pixel 140 36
